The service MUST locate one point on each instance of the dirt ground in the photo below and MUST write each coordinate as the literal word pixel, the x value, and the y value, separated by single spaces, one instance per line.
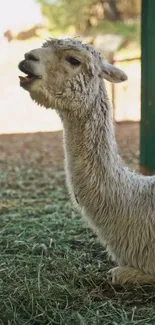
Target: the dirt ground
pixel 46 147
pixel 128 139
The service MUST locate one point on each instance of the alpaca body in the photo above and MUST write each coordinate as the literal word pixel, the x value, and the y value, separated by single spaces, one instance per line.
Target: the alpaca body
pixel 113 199
pixel 118 204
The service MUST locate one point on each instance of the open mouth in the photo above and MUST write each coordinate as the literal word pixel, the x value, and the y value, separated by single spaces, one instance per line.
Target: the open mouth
pixel 27 79
pixel 30 76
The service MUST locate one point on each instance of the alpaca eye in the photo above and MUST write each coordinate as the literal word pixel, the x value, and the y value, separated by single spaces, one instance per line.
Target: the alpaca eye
pixel 73 61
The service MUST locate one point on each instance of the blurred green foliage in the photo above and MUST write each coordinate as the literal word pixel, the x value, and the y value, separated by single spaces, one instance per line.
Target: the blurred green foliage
pixel 83 14
pixel 62 13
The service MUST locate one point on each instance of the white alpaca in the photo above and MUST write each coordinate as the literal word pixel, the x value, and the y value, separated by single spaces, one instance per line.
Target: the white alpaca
pixel 117 203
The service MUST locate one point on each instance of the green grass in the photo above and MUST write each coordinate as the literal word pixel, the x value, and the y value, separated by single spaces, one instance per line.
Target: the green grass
pixel 52 268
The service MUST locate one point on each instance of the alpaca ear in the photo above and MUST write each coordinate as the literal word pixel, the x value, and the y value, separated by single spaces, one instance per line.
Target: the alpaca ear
pixel 112 74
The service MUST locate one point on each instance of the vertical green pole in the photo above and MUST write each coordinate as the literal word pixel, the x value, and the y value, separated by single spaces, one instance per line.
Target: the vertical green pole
pixel 147 136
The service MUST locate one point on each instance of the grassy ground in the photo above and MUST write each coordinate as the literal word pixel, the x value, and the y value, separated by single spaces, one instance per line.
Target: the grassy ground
pixel 52 268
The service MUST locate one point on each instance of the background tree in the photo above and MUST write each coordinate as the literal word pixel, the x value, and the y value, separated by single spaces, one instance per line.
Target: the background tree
pixel 84 13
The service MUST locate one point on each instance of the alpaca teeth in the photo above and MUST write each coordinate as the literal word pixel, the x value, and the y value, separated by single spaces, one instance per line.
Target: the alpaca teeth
pixel 25 79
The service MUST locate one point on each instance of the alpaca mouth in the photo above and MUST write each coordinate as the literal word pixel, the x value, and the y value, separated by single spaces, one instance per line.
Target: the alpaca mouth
pixel 27 79
pixel 30 76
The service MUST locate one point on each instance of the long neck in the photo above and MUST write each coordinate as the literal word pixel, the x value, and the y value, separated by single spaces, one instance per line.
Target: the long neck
pixel 91 150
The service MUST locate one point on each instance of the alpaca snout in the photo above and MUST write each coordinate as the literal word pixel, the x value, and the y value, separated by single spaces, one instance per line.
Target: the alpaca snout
pixel 21 66
pixel 26 67
pixel 32 73
pixel 29 67
pixel 32 56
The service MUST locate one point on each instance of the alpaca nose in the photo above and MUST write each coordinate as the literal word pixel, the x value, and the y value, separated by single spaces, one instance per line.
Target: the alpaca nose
pixel 32 56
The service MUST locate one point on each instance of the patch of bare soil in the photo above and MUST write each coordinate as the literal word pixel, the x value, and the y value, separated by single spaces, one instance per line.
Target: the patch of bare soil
pixel 45 149
pixel 127 136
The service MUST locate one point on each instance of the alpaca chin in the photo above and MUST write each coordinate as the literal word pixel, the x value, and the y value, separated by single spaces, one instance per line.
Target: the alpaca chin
pixel 41 98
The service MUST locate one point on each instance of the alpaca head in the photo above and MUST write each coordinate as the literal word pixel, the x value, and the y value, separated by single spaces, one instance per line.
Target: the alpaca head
pixel 65 74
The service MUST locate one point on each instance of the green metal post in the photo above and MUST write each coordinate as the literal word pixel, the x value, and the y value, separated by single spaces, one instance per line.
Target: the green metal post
pixel 147 136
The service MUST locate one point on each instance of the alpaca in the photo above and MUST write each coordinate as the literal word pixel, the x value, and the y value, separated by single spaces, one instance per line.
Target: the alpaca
pixel 118 204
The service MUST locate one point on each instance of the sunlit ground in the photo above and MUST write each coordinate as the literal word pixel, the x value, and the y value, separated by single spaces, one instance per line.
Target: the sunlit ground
pixel 127 102
pixel 20 114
